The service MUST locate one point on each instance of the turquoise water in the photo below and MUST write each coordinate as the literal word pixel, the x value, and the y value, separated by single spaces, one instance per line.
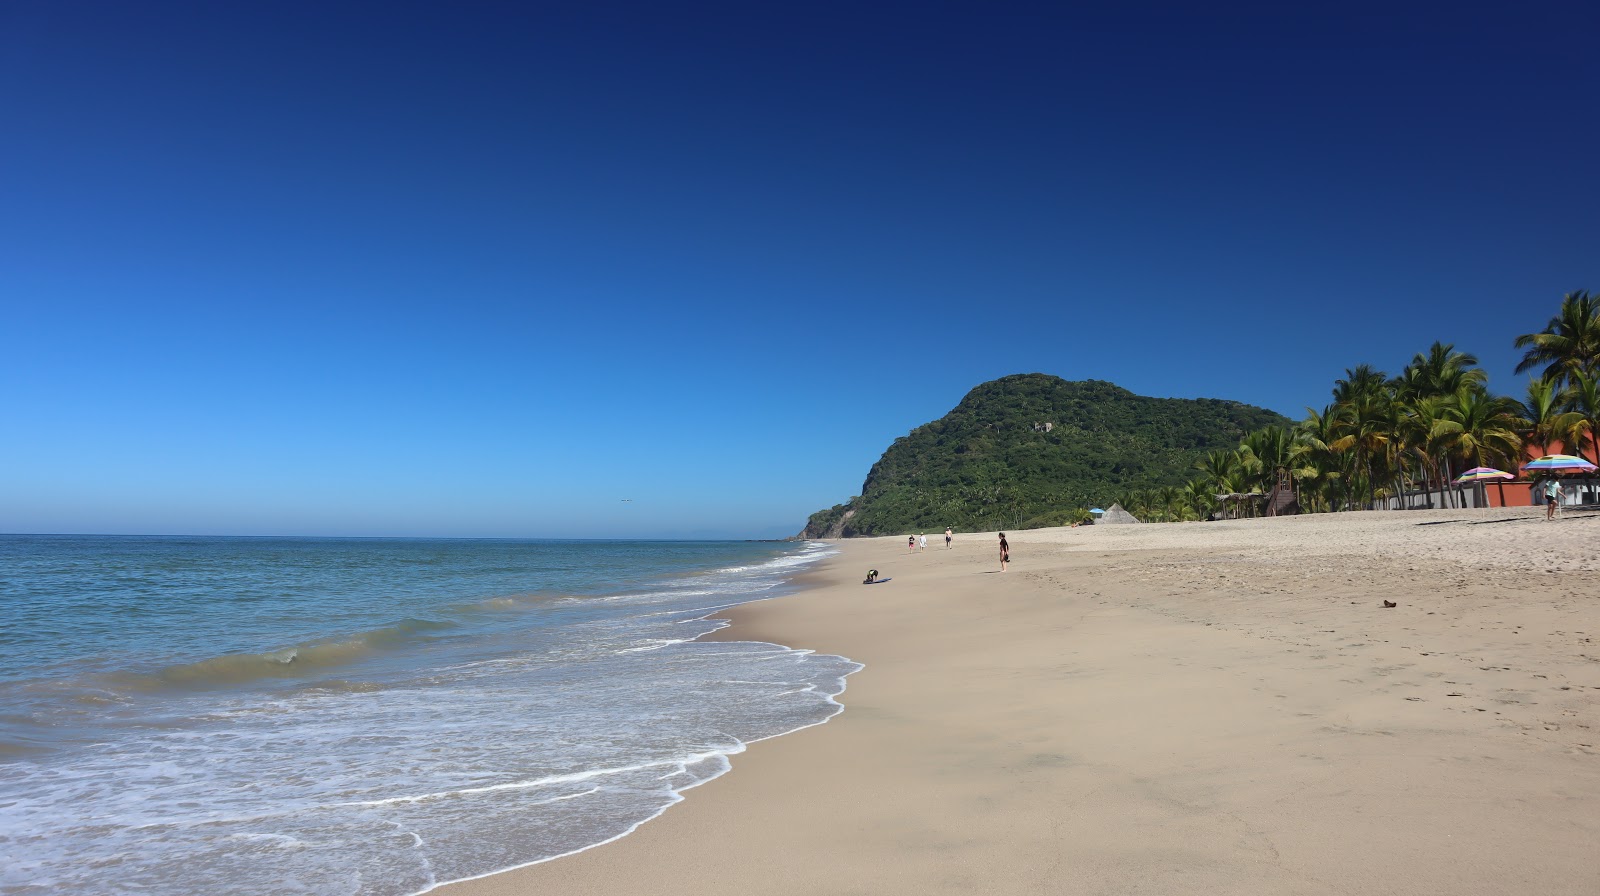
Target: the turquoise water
pixel 367 716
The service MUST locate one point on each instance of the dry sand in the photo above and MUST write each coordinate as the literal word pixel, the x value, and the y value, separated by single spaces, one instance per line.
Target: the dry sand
pixel 1168 709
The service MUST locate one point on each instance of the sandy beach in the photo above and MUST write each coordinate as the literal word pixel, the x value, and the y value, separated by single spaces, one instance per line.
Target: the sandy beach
pixel 1180 708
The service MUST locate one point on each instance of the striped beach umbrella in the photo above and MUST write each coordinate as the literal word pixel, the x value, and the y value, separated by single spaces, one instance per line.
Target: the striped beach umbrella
pixel 1481 474
pixel 1559 462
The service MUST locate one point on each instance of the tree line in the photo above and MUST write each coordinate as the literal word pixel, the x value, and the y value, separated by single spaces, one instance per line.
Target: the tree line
pixel 1383 436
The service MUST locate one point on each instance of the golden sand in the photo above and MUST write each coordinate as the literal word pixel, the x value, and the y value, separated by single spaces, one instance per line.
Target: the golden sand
pixel 1168 709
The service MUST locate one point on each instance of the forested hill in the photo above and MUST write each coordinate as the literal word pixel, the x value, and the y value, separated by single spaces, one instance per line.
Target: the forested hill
pixel 1036 450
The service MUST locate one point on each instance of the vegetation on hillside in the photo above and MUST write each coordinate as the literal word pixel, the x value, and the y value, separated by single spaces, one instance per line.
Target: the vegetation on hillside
pixel 1035 450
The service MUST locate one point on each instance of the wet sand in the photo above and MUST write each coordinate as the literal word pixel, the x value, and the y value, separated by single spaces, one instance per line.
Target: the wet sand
pixel 1181 708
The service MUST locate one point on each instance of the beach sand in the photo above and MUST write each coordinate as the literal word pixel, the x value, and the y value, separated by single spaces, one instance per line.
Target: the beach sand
pixel 1182 708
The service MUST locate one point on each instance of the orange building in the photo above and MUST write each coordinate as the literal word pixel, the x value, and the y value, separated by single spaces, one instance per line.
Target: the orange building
pixel 1519 492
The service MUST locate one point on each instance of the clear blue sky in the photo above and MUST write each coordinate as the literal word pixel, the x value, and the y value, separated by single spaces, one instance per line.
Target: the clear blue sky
pixel 490 269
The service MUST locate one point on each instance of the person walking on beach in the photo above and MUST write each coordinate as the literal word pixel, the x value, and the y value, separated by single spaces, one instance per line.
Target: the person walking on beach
pixel 911 544
pixel 922 541
pixel 1552 497
pixel 947 536
pixel 1005 552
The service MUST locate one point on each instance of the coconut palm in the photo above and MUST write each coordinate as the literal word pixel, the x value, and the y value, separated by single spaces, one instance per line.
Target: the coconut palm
pixel 1265 455
pixel 1170 499
pixel 1365 430
pixel 1316 464
pixel 1442 371
pixel 1545 419
pixel 1482 428
pixel 1219 466
pixel 1200 497
pixel 1582 404
pixel 1429 440
pixel 1569 344
pixel 1361 380
pixel 1363 410
pixel 1266 452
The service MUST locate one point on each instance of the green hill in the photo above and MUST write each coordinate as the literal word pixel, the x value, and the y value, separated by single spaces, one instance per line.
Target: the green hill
pixel 1030 450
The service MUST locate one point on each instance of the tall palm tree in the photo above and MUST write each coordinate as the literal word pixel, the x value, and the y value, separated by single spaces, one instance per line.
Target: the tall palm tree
pixel 1417 437
pixel 1427 385
pixel 1545 419
pixel 1361 380
pixel 1582 403
pixel 1170 498
pixel 1481 428
pixel 1316 463
pixel 1219 465
pixel 1200 497
pixel 1266 452
pixel 1569 343
pixel 1365 429
pixel 1442 371
pixel 1223 472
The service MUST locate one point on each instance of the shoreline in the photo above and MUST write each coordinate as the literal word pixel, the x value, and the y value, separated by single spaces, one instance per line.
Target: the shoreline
pixel 1217 707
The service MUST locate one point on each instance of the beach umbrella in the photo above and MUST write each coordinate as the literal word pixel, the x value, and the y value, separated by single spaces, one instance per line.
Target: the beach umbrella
pixel 1479 474
pixel 1559 462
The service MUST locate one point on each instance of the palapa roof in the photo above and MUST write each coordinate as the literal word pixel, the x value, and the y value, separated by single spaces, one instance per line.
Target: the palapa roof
pixel 1116 515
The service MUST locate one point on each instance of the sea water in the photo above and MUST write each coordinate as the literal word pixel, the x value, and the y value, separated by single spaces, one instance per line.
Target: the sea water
pixel 368 716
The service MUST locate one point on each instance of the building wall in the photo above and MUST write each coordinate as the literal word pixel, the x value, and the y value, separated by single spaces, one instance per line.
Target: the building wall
pixel 1574 493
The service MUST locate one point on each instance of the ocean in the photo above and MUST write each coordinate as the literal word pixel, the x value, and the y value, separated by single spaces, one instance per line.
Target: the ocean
pixel 368 716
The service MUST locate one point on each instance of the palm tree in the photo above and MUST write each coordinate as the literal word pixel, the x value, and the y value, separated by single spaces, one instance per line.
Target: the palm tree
pixel 1544 418
pixel 1315 461
pixel 1442 371
pixel 1582 403
pixel 1219 465
pixel 1483 428
pixel 1569 344
pixel 1416 438
pixel 1224 472
pixel 1361 380
pixel 1170 498
pixel 1265 455
pixel 1363 410
pixel 1365 429
pixel 1200 496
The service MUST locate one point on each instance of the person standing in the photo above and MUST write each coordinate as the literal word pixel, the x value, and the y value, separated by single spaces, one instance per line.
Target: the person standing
pixel 911 544
pixel 922 541
pixel 1005 552
pixel 1552 496
pixel 948 534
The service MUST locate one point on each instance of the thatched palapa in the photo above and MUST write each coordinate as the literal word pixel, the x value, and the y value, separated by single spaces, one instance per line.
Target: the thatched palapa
pixel 1116 515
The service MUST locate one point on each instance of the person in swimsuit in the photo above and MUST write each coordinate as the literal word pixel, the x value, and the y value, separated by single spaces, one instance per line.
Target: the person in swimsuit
pixel 947 536
pixel 1005 552
pixel 911 544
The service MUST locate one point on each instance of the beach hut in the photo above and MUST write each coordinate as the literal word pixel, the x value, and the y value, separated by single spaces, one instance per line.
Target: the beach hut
pixel 1116 515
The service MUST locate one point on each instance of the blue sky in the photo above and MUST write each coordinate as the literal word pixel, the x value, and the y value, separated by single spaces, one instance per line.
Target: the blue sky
pixel 410 269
